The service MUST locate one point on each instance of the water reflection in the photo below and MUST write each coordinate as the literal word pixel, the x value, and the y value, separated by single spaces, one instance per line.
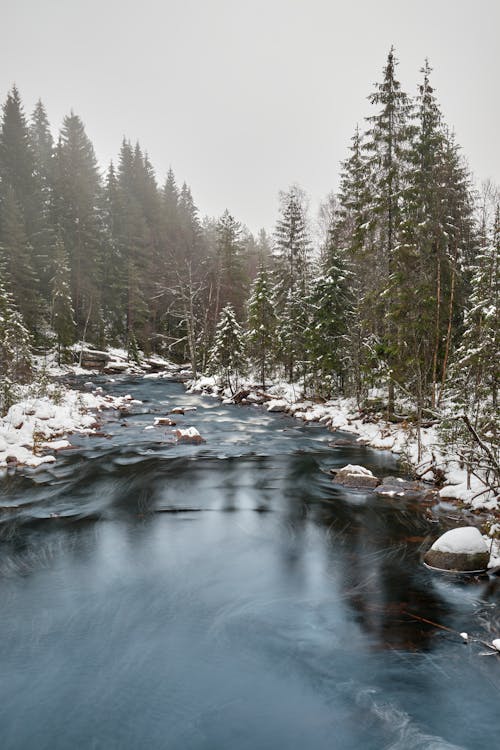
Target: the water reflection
pixel 228 596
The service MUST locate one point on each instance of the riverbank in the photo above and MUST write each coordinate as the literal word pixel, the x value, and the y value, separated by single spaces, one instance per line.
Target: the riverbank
pixel 424 455
pixel 38 425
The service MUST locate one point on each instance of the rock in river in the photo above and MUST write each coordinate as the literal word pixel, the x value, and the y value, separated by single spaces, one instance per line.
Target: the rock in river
pixel 460 550
pixel 355 476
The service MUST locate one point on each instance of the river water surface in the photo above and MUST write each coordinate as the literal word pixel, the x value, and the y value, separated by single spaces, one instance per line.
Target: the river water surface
pixel 229 596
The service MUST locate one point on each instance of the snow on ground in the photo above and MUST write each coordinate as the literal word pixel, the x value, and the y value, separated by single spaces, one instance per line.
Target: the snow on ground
pixel 342 414
pixel 118 362
pixel 36 427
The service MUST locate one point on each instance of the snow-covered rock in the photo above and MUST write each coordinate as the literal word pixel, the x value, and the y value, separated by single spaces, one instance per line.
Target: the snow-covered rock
pixel 159 421
pixel 277 404
pixel 188 435
pixel 462 549
pixel 355 476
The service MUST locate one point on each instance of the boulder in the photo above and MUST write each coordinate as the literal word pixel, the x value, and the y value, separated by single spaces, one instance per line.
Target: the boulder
pixel 164 421
pixel 397 487
pixel 341 442
pixel 460 550
pixel 277 404
pixel 92 359
pixel 355 476
pixel 189 435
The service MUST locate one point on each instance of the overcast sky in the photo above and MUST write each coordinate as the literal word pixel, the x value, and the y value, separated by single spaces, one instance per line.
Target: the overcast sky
pixel 245 97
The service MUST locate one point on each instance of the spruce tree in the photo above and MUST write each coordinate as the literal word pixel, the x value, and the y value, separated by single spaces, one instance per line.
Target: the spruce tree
pixel 386 144
pixel 229 272
pixel 113 279
pixel 227 357
pixel 77 201
pixel 16 254
pixel 292 248
pixel 62 310
pixel 44 234
pixel 330 310
pixel 261 324
pixel 15 347
pixel 476 368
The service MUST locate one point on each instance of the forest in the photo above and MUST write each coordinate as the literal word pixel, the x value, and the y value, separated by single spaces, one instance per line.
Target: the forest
pixel 398 290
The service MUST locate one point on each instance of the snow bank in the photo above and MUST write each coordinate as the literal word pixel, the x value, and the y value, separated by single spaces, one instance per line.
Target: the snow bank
pixel 35 426
pixel 342 414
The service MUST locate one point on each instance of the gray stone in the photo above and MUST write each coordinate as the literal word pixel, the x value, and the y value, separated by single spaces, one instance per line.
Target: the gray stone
pixel 460 550
pixel 464 562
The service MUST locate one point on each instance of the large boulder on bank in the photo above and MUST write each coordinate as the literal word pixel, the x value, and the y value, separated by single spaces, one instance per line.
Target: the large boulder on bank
pixel 277 404
pixel 355 476
pixel 460 550
pixel 92 359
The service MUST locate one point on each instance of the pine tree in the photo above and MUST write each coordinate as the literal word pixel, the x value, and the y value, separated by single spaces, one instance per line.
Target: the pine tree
pixel 227 357
pixel 261 324
pixel 16 254
pixel 292 243
pixel 62 310
pixel 113 280
pixel 17 160
pixel 229 272
pixel 476 366
pixel 292 246
pixel 387 146
pixel 15 347
pixel 330 309
pixel 44 234
pixel 77 199
pixel 352 223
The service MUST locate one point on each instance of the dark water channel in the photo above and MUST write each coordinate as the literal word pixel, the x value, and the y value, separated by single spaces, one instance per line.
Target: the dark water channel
pixel 229 596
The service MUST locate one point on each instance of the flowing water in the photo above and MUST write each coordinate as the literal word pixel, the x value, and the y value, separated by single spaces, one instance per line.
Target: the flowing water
pixel 228 595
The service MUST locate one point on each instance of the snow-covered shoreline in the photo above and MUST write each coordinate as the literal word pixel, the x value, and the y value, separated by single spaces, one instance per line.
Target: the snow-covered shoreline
pixel 342 415
pixel 36 427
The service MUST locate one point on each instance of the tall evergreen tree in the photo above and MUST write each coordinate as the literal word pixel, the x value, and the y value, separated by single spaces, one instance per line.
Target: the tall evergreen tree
pixel 62 310
pixel 15 346
pixel 261 324
pixel 293 247
pixel 44 233
pixel 476 368
pixel 229 271
pixel 387 143
pixel 227 357
pixel 77 201
pixel 330 310
pixel 16 254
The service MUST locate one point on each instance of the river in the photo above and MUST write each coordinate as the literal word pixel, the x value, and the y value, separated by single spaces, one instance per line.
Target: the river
pixel 229 596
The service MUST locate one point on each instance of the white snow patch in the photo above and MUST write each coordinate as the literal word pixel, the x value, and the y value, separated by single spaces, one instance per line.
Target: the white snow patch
pixel 464 540
pixel 277 404
pixel 354 470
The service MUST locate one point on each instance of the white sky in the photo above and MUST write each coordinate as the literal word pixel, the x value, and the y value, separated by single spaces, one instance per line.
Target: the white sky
pixel 245 97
